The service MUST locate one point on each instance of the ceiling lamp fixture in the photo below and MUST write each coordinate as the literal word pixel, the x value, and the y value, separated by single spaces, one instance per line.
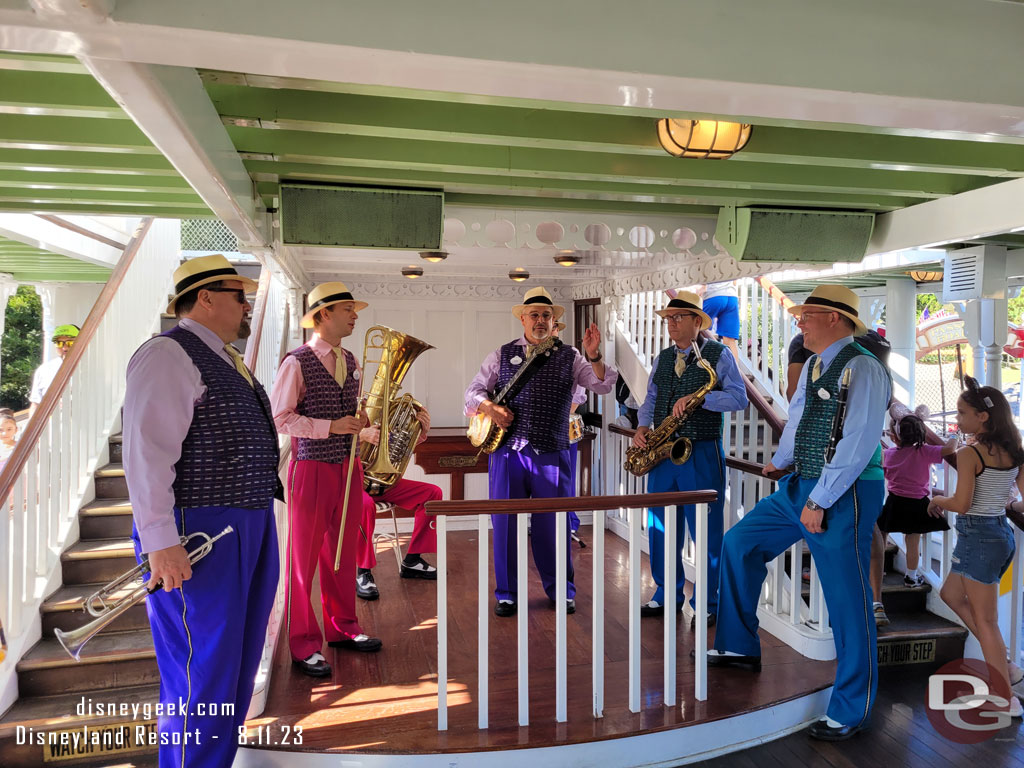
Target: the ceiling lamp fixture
pixel 412 272
pixel 924 276
pixel 518 274
pixel 567 258
pixel 434 256
pixel 712 139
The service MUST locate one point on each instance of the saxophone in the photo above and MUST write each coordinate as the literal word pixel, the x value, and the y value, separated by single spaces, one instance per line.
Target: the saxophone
pixel 394 352
pixel 660 443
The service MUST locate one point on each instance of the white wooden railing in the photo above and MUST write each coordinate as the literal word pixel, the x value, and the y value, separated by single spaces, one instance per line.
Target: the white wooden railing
pixel 48 477
pixel 520 507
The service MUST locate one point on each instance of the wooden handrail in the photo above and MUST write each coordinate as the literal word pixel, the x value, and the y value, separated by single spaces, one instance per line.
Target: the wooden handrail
pixel 259 312
pixel 742 465
pixel 566 503
pixel 56 220
pixel 34 429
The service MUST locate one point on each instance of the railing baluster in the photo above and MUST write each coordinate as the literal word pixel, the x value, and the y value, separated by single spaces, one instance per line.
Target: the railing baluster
pixel 597 628
pixel 523 618
pixel 635 554
pixel 483 614
pixel 700 677
pixel 561 540
pixel 671 611
pixel 442 623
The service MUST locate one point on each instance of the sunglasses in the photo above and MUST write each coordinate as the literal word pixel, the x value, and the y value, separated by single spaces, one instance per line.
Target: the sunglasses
pixel 239 293
pixel 677 318
pixel 65 343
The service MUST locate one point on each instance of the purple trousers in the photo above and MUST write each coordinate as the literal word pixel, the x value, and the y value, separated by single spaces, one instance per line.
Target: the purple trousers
pixel 527 474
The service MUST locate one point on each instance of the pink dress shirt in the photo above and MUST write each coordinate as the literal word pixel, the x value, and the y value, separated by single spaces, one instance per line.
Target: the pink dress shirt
pixel 290 389
pixel 163 386
pixel 482 386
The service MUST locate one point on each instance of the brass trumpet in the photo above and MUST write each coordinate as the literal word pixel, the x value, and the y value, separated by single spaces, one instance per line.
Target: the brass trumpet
pixel 105 612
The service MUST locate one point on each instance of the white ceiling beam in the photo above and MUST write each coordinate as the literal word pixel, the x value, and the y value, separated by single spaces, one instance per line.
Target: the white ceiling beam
pixel 37 232
pixel 992 210
pixel 781 62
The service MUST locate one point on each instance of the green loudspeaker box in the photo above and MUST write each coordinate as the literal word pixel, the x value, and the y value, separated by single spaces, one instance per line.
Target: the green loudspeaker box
pixel 361 217
pixel 779 234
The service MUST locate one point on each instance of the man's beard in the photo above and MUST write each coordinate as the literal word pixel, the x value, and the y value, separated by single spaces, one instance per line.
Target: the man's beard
pixel 243 329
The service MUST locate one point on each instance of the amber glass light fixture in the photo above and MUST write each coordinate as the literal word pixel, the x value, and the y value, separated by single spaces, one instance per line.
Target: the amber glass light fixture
pixel 412 272
pixel 434 256
pixel 518 274
pixel 924 275
pixel 711 139
pixel 567 258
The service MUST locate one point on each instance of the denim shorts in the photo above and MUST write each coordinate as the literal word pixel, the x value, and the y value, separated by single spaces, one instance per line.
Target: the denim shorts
pixel 984 547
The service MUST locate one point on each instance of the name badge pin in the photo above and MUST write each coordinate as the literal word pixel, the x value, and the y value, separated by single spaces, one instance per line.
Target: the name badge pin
pixel 824 394
pixel 355 375
pixel 516 360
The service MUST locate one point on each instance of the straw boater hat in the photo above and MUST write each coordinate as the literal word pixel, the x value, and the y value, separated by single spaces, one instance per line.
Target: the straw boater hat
pixel 834 298
pixel 559 326
pixel 203 270
pixel 687 300
pixel 537 296
pixel 325 295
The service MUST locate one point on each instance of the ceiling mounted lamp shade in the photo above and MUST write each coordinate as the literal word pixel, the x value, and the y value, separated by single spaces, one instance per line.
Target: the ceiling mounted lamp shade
pixel 712 139
pixel 924 276
pixel 567 258
pixel 518 274
pixel 434 256
pixel 412 272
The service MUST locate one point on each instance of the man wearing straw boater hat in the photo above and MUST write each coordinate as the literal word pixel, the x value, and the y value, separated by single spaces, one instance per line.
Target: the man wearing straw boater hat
pixel 200 454
pixel 674 378
pixel 534 460
pixel 315 400
pixel 833 505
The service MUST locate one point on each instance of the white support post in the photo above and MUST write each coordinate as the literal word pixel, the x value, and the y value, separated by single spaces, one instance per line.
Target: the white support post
pixel 561 539
pixel 483 615
pixel 671 611
pixel 993 337
pixel 634 608
pixel 597 633
pixel 523 602
pixel 700 677
pixel 1015 596
pixel 442 623
pixel 901 332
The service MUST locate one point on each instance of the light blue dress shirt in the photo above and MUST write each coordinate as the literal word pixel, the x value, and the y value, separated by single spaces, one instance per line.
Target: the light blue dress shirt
pixel 867 400
pixel 731 397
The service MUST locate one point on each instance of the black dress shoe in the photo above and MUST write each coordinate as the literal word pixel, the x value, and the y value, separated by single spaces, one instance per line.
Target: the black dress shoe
pixel 318 668
pixel 570 605
pixel 365 586
pixel 418 569
pixel 752 663
pixel 504 608
pixel 363 643
pixel 825 732
pixel 650 609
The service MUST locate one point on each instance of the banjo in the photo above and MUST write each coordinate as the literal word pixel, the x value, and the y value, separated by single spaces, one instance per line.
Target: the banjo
pixel 483 432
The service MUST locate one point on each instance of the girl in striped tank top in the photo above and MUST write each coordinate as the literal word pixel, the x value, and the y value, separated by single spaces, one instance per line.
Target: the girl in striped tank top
pixel 986 474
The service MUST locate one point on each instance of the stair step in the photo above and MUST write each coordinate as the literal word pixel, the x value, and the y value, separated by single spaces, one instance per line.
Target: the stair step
pixel 106 519
pixel 65 610
pixel 116 444
pixel 118 659
pixel 97 561
pixel 60 712
pixel 110 482
pixel 920 638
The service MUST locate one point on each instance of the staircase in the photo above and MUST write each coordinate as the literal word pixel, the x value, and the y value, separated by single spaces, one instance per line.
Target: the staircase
pixel 118 666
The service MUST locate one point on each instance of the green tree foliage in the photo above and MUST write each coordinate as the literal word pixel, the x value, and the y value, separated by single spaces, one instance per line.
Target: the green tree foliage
pixel 21 350
pixel 930 302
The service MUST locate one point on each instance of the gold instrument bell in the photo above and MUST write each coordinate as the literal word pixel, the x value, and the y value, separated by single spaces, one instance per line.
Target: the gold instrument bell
pixel 394 353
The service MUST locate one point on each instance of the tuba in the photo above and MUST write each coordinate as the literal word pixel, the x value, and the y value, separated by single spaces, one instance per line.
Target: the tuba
pixel 394 352
pixel 660 442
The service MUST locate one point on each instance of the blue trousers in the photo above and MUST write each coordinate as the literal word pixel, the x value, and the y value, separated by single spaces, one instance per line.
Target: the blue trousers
pixel 842 555
pixel 209 634
pixel 527 474
pixel 705 470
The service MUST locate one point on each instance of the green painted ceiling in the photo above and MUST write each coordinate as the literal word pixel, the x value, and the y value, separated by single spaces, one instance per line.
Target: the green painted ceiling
pixel 557 156
pixel 29 264
pixel 66 147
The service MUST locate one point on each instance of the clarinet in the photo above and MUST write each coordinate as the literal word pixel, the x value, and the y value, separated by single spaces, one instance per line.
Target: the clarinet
pixel 839 417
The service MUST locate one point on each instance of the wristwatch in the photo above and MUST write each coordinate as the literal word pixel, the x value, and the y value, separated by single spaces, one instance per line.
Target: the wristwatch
pixel 595 359
pixel 814 506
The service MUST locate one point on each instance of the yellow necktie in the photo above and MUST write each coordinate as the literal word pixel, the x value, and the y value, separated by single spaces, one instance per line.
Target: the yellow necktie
pixel 816 370
pixel 530 348
pixel 680 362
pixel 340 367
pixel 236 356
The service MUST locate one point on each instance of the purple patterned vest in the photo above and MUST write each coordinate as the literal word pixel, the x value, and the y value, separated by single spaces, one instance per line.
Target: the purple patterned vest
pixel 324 399
pixel 229 456
pixel 541 407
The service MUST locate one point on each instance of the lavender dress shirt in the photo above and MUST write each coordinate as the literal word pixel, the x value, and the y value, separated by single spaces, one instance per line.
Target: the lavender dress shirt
pixel 583 375
pixel 163 386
